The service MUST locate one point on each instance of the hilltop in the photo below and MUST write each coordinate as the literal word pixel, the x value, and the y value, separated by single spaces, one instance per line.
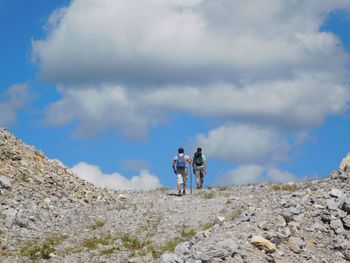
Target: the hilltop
pixel 49 214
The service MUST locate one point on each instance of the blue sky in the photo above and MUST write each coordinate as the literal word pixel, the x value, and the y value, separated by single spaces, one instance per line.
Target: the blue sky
pixel 113 88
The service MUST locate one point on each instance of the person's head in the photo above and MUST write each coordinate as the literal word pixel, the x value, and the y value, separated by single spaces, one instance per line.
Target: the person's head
pixel 181 150
pixel 199 150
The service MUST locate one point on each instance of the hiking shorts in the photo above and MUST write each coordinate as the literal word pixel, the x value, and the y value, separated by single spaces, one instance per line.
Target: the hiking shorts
pixel 181 176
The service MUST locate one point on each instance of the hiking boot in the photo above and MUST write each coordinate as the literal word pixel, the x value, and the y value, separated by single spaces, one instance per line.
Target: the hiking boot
pixel 184 192
pixel 179 193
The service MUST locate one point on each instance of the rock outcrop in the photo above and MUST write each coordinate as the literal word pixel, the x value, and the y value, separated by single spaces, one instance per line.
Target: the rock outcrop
pixel 48 214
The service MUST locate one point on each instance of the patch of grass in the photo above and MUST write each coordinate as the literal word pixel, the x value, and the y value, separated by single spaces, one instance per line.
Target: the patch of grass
pixel 169 246
pixel 108 251
pixel 206 226
pixel 36 249
pixel 188 234
pixel 104 240
pixel 285 187
pixel 132 242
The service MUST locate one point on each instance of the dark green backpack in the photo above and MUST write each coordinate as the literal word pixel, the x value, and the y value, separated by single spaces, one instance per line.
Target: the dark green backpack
pixel 198 159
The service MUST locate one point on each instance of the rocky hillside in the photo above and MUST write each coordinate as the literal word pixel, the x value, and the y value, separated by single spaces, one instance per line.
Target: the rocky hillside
pixel 48 214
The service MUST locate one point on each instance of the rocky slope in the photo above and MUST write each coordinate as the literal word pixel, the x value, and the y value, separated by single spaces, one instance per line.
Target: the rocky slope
pixel 48 214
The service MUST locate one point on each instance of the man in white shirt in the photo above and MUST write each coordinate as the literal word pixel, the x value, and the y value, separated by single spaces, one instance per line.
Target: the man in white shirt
pixel 180 168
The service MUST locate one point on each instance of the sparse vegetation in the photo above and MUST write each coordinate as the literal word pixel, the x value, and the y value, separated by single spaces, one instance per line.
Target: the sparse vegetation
pixel 108 251
pixel 207 194
pixel 132 242
pixel 285 187
pixel 92 243
pixel 36 249
pixel 98 224
pixel 206 226
pixel 235 214
pixel 188 234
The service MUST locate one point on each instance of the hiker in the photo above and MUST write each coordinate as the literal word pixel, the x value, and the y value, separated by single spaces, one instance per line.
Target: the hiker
pixel 199 167
pixel 180 169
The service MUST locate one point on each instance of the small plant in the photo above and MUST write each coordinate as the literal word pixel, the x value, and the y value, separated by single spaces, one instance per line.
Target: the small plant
pixel 188 234
pixel 236 213
pixel 132 242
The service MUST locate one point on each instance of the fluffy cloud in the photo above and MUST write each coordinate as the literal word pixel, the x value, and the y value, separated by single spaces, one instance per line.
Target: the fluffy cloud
pixel 248 174
pixel 180 41
pixel 93 174
pixel 98 109
pixel 243 143
pixel 14 98
pixel 122 64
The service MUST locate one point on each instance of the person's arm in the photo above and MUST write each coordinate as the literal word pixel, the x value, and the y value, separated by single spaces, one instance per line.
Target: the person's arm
pixel 205 166
pixel 189 160
pixel 174 168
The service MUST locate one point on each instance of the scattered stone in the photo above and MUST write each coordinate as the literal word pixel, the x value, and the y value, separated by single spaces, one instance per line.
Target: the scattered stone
pixel 335 193
pixel 46 206
pixel 263 244
pixel 5 182
pixel 170 258
pixel 337 226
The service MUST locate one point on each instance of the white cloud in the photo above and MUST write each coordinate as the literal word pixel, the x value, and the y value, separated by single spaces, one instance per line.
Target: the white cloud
pixel 249 174
pixel 156 41
pixel 261 61
pixel 99 109
pixel 93 174
pixel 14 98
pixel 301 102
pixel 244 143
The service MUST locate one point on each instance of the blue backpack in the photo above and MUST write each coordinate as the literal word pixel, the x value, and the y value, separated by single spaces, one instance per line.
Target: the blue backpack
pixel 181 161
